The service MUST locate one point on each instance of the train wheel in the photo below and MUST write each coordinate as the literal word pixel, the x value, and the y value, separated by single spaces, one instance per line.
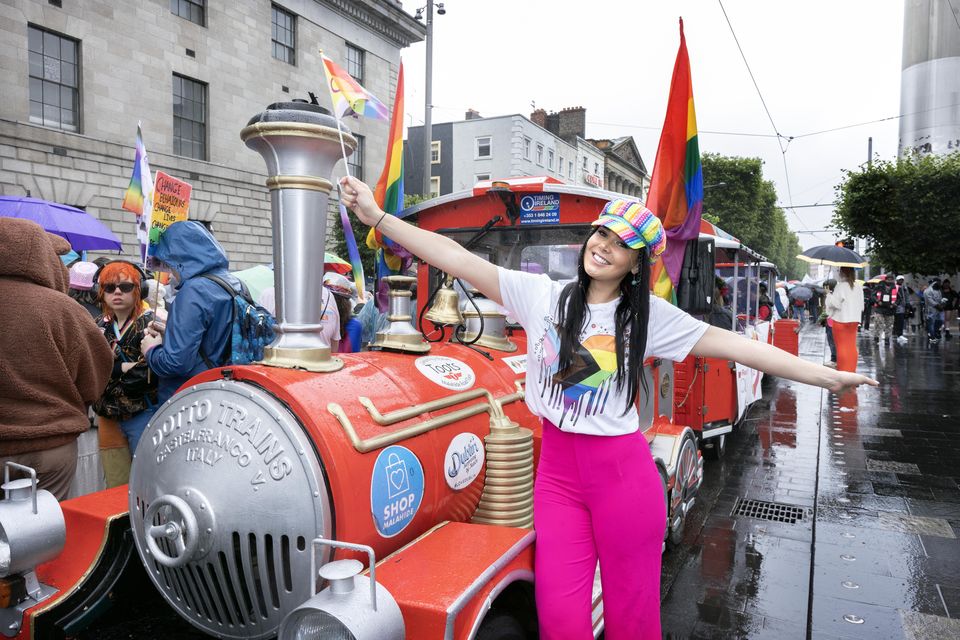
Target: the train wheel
pixel 684 483
pixel 500 625
pixel 715 448
pixel 666 500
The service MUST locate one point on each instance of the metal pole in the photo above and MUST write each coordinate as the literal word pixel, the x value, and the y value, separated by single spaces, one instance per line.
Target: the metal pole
pixel 870 152
pixel 427 106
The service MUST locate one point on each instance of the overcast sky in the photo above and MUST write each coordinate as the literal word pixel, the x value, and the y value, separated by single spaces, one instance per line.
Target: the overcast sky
pixel 818 64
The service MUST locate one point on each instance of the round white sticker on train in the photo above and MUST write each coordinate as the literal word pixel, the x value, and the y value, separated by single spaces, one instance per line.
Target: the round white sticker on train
pixel 446 372
pixel 464 460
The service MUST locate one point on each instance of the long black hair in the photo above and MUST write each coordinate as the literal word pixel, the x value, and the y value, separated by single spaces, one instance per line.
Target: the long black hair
pixel 631 318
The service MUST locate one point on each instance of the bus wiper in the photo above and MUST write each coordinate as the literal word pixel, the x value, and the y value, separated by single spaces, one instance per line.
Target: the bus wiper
pixel 484 230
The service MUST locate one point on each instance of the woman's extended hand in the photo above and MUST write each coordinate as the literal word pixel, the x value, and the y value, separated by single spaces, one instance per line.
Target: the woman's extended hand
pixel 844 380
pixel 356 195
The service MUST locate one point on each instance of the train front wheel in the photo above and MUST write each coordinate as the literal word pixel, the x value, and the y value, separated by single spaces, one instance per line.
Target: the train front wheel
pixel 500 625
pixel 715 448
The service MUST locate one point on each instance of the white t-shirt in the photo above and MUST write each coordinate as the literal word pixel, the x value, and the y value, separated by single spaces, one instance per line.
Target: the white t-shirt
pixel 329 316
pixel 586 399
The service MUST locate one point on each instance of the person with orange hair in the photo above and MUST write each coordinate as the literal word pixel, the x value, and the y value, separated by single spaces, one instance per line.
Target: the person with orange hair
pixel 131 395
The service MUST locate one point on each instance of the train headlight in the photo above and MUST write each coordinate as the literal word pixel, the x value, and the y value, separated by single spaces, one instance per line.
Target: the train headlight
pixel 352 607
pixel 32 528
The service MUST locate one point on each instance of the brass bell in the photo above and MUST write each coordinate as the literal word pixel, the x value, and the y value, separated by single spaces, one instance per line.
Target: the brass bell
pixel 446 306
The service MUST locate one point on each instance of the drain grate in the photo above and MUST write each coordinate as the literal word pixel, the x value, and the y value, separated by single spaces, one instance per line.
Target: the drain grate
pixel 773 511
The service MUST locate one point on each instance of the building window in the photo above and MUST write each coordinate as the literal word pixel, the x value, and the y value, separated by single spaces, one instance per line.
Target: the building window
pixel 596 168
pixel 284 34
pixel 355 159
pixel 434 152
pixel 434 186
pixel 526 148
pixel 482 177
pixel 584 163
pixel 355 62
pixel 560 166
pixel 570 170
pixel 192 10
pixel 54 80
pixel 189 118
pixel 550 159
pixel 484 147
pixel 540 154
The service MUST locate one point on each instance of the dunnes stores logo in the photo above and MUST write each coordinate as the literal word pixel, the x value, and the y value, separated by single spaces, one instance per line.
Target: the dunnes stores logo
pixel 236 435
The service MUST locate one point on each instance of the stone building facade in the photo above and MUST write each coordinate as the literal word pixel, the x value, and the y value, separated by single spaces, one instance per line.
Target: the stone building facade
pixel 624 170
pixel 79 75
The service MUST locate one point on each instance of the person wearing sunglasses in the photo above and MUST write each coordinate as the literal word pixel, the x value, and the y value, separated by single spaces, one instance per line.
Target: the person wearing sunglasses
pixel 131 395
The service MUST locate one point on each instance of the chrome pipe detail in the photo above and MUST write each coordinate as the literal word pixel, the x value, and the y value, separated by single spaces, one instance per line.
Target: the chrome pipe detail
pixel 300 145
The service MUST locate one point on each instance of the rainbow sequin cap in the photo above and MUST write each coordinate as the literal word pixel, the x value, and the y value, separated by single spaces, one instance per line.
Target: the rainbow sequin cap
pixel 635 224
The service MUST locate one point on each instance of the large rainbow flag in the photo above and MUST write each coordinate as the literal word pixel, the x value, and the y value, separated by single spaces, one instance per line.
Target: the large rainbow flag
pixel 349 98
pixel 392 258
pixel 676 187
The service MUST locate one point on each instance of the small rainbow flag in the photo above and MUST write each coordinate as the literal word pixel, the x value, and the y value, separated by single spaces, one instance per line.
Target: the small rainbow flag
pixel 140 190
pixel 138 197
pixel 391 257
pixel 353 252
pixel 676 187
pixel 349 98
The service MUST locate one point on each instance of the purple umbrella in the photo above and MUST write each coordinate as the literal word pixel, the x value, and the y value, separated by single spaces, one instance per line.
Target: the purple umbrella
pixel 79 228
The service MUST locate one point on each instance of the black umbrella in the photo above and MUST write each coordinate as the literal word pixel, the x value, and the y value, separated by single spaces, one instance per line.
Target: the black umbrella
pixel 800 292
pixel 834 256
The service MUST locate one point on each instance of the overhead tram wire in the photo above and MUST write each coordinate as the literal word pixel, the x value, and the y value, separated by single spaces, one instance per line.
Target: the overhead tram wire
pixel 699 131
pixel 780 136
pixel 954 12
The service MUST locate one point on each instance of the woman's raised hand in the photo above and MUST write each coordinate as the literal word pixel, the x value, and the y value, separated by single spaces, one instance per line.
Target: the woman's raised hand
pixel 356 195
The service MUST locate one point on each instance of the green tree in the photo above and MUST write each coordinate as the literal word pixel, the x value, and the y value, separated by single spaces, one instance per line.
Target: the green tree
pixel 743 204
pixel 908 210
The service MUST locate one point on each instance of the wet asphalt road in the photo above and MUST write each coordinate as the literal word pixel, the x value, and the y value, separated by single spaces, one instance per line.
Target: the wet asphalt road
pixel 874 477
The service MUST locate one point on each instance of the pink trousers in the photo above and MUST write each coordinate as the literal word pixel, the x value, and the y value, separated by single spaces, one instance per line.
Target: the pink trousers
pixel 597 497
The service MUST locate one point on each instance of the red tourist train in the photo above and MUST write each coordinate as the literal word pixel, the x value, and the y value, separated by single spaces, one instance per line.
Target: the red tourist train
pixel 383 494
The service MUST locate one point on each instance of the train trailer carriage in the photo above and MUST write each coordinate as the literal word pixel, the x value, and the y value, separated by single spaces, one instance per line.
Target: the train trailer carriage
pixel 386 494
pixel 712 396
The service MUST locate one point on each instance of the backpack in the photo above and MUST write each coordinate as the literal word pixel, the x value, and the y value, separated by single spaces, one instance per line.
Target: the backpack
pixel 251 327
pixel 885 296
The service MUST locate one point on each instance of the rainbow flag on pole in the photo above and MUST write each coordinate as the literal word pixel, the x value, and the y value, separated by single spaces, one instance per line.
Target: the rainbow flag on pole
pixel 349 98
pixel 138 197
pixel 676 187
pixel 352 251
pixel 391 257
pixel 140 190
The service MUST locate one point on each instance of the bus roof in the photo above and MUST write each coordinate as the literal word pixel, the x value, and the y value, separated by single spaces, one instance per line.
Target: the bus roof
pixel 539 184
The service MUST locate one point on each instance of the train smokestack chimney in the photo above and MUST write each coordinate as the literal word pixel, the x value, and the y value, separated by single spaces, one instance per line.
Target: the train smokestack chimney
pixel 300 145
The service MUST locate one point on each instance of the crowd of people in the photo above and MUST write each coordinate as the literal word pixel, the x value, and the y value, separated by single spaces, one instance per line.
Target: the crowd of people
pixel 104 344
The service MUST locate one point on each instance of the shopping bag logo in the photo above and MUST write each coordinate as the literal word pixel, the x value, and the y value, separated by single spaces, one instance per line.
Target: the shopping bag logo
pixel 398 482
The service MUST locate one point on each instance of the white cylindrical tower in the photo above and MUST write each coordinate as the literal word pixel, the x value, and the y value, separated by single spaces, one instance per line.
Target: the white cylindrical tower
pixel 930 79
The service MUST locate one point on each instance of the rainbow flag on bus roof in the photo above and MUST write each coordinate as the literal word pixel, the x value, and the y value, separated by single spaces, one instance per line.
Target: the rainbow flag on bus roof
pixel 392 258
pixel 349 98
pixel 676 186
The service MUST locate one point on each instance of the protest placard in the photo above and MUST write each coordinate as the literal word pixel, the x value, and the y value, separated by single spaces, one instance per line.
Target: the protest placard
pixel 171 201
